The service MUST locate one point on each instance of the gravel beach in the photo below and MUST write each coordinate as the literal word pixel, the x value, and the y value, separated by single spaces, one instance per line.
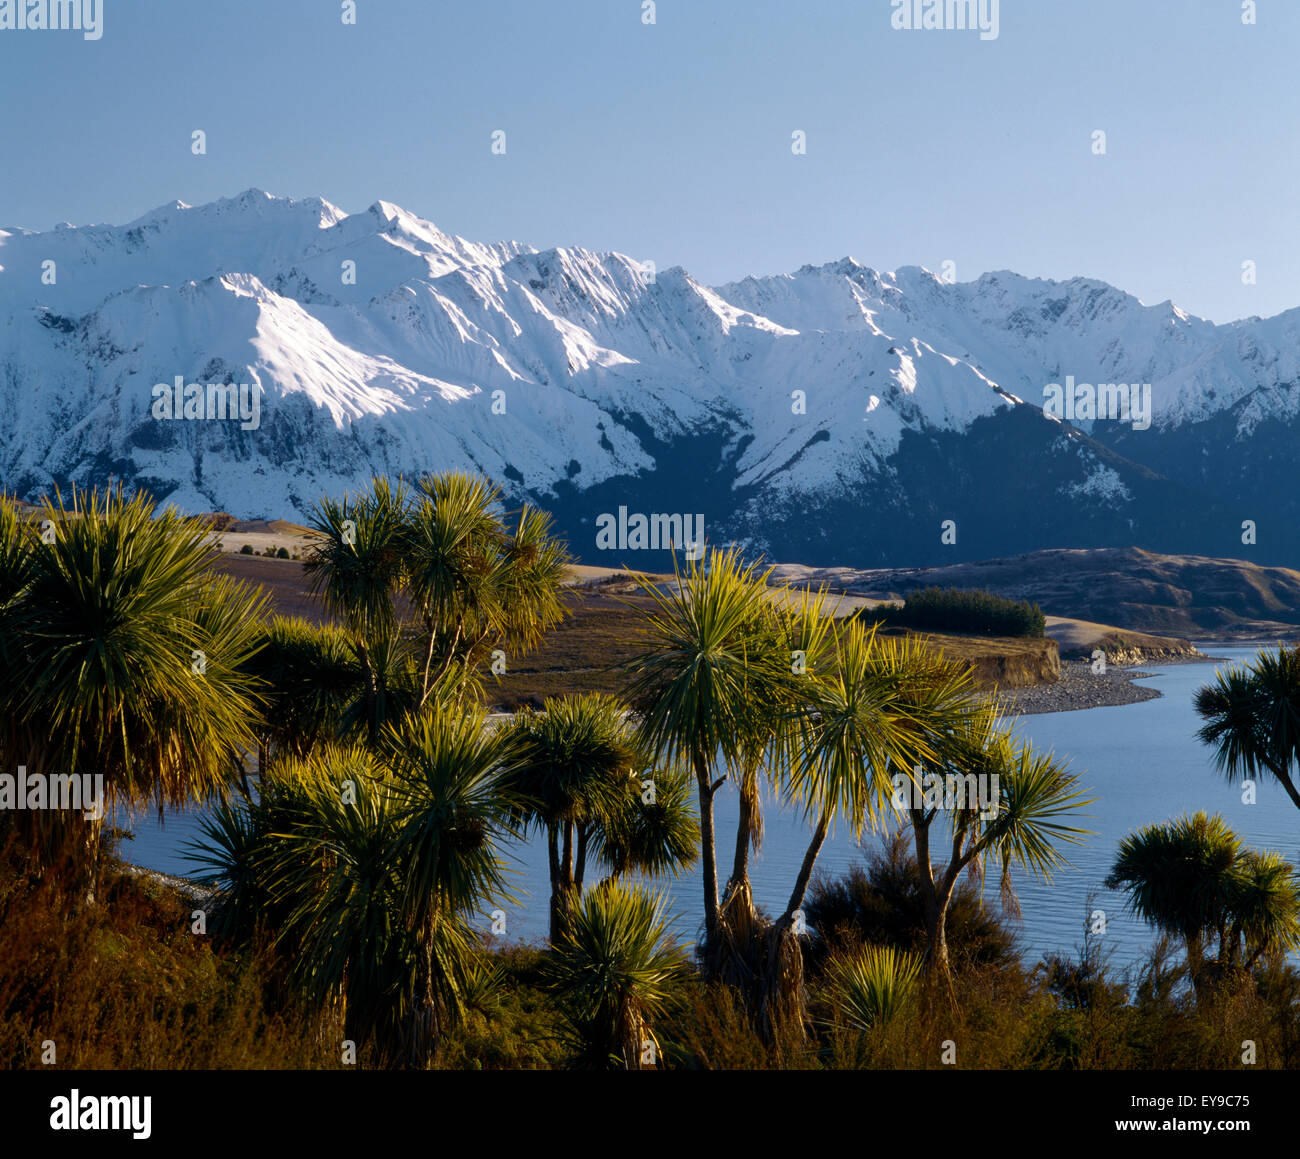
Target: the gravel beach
pixel 1079 687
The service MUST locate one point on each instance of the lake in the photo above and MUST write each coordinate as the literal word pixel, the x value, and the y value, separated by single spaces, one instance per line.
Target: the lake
pixel 1141 761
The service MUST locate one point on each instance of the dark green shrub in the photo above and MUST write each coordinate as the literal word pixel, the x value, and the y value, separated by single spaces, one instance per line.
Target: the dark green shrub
pixel 881 905
pixel 955 610
pixel 311 678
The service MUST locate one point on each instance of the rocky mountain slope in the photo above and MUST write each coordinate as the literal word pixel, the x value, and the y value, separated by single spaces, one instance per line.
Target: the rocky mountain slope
pixel 835 415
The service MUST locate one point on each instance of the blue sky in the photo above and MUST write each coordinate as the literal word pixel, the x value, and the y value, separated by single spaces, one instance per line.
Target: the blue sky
pixel 672 142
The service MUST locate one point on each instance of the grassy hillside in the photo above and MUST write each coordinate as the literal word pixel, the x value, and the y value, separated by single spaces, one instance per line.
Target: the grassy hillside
pixel 1003 661
pixel 1143 591
pixel 583 652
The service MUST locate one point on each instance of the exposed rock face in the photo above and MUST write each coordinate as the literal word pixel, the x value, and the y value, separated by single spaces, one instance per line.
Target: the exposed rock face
pixel 997 661
pixel 836 415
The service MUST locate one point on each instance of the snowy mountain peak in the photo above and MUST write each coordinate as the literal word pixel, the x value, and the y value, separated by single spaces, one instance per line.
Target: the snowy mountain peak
pixel 382 343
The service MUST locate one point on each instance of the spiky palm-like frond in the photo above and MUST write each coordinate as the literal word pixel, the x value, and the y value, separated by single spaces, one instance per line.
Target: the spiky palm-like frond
pixel 231 854
pixel 456 539
pixel 1030 795
pixel 881 707
pixel 444 552
pixel 1252 718
pixel 585 780
pixel 787 709
pixel 707 651
pixel 529 585
pixel 1002 801
pixel 451 779
pixel 336 885
pixel 390 687
pixel 574 760
pixel 712 668
pixel 477 581
pixel 452 785
pixel 872 985
pixel 615 972
pixel 653 829
pixel 309 678
pixel 454 571
pixel 228 622
pixel 574 764
pixel 1277 677
pixel 123 655
pixel 1179 877
pixel 357 560
pixel 17 540
pixel 1266 909
pixel 1194 878
pixel 336 823
pixel 1037 793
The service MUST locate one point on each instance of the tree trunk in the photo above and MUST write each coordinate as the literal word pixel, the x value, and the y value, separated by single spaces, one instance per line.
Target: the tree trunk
pixel 936 932
pixel 708 853
pixel 781 996
pixel 431 628
pixel 243 777
pixel 565 891
pixel 934 899
pixel 736 954
pixel 372 690
pixel 1283 775
pixel 93 847
pixel 424 1009
pixel 1196 965
pixel 635 1034
pixel 809 863
pixel 553 861
pixel 738 897
pixel 580 872
pixel 744 838
pixel 1236 947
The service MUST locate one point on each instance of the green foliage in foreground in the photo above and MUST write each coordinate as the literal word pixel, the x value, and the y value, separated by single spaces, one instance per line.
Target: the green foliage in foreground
pixel 1252 719
pixel 870 987
pixel 124 984
pixel 962 612
pixel 585 781
pixel 354 883
pixel 365 868
pixel 122 655
pixel 615 971
pixel 1195 880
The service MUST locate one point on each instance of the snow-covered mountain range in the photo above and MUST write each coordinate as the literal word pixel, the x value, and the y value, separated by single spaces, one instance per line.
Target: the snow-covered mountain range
pixel 835 415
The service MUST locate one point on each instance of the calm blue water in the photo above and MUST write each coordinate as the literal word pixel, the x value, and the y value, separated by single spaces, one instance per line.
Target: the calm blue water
pixel 1141 761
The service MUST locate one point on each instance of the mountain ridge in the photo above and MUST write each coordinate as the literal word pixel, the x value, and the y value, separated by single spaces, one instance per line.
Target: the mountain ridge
pixel 837 414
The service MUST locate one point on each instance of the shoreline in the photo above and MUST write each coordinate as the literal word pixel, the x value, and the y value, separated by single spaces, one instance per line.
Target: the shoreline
pixel 1080 688
pixel 193 891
